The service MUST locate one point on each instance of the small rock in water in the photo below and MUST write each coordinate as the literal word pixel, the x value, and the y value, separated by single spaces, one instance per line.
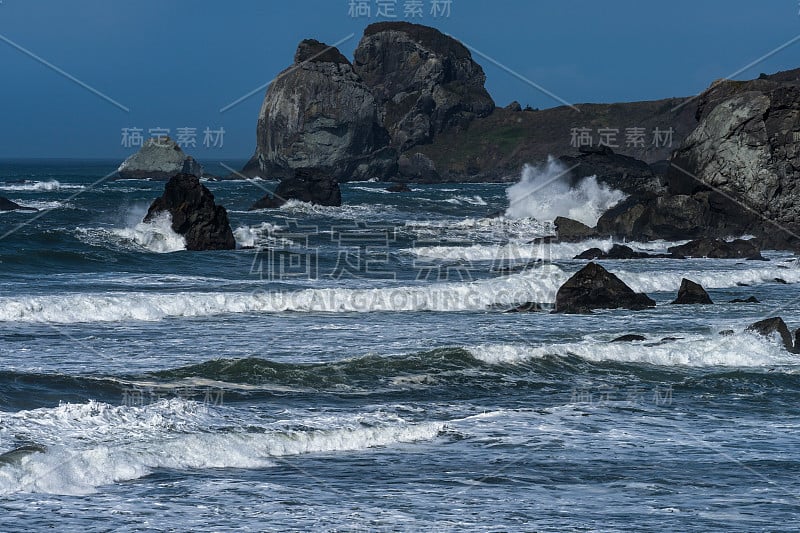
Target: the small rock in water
pixel 692 293
pixel 630 338
pixel 750 300
pixel 594 287
pixel 399 187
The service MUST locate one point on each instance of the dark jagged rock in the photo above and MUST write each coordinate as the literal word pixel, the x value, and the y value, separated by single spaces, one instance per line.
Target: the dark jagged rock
pixel 630 338
pixel 620 172
pixel 771 326
pixel 593 287
pixel 308 185
pixel 620 251
pixel 672 217
pixel 692 293
pixel 423 81
pixel 417 167
pixel 159 159
pixel 727 332
pixel 399 187
pixel 514 107
pixel 719 249
pixel 569 230
pixel 591 253
pixel 750 300
pixel 8 205
pixel 194 213
pixel 780 281
pixel 319 114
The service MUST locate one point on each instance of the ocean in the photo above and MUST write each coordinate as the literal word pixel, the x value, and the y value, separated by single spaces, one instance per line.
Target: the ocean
pixel 354 369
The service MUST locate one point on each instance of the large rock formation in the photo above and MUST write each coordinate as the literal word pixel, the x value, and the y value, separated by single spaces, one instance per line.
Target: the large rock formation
pixel 307 185
pixel 424 82
pixel 203 224
pixel 318 113
pixel 8 205
pixel 747 146
pixel 159 159
pixel 594 287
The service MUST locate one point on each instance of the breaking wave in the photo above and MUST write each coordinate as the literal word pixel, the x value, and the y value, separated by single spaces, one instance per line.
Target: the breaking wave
pixel 545 193
pixel 89 445
pixel 533 286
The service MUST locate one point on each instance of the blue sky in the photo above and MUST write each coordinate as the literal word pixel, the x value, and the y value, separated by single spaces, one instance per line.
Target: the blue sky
pixel 175 63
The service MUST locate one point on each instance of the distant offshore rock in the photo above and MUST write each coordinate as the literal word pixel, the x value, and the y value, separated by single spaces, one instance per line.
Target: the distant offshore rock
pixel 308 185
pixel 8 205
pixel 194 213
pixel 159 159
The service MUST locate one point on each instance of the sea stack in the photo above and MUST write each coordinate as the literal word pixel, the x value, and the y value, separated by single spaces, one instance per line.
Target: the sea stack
pixel 194 213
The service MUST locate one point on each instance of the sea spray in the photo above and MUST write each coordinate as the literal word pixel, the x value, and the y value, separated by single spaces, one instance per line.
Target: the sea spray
pixel 544 192
pixel 156 235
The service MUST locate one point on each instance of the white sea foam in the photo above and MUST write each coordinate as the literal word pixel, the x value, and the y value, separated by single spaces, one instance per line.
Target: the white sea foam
pixel 545 193
pixel 537 285
pixel 668 281
pixel 497 228
pixel 37 186
pixel 95 444
pixel 246 237
pixel 739 350
pixel 473 200
pixel 526 250
pixel 156 235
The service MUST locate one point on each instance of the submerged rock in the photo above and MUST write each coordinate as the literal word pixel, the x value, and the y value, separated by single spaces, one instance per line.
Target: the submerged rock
pixel 750 300
pixel 692 293
pixel 8 205
pixel 194 213
pixel 399 187
pixel 593 287
pixel 308 185
pixel 159 159
pixel 630 338
pixel 769 327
